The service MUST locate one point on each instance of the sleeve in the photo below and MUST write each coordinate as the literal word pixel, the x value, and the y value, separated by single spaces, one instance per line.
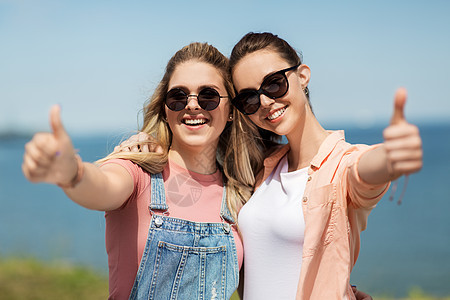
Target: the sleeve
pixel 361 193
pixel 140 178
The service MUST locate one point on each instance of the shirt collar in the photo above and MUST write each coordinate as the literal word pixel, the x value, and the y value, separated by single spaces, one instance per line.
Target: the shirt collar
pixel 327 147
pixel 271 161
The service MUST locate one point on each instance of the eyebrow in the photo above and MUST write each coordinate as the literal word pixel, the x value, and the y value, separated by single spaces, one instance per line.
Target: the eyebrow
pixel 201 87
pixel 209 86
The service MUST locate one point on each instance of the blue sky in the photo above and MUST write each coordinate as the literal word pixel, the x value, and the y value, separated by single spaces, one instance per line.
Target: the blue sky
pixel 102 59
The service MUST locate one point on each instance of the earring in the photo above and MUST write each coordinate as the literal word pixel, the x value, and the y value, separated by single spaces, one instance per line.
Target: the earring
pixel 230 117
pixel 306 91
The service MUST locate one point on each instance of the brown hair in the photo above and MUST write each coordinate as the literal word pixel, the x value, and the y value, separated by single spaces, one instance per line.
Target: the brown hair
pixel 252 42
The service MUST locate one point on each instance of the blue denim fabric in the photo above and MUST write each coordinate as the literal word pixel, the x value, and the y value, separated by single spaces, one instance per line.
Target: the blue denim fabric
pixel 184 259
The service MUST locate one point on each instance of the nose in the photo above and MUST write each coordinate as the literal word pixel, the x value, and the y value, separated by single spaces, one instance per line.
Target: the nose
pixel 192 103
pixel 266 101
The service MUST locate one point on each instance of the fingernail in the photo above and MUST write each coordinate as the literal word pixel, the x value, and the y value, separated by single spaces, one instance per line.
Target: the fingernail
pixel 58 153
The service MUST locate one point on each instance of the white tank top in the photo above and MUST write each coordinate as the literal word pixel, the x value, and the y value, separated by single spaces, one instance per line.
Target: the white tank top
pixel 273 227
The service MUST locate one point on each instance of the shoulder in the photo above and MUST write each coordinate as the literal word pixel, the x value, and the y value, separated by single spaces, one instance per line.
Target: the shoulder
pixel 353 152
pixel 350 152
pixel 336 156
pixel 135 171
pixel 360 193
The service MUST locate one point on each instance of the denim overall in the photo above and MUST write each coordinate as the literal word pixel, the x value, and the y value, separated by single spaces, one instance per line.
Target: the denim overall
pixel 183 259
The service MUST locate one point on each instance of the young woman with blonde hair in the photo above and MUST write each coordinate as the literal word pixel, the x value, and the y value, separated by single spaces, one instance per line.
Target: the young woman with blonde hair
pixel 170 215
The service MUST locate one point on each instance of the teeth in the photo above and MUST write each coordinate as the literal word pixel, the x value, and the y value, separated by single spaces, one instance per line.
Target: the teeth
pixel 194 121
pixel 277 114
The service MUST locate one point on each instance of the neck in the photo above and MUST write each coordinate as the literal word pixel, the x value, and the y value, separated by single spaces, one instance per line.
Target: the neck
pixel 202 161
pixel 305 142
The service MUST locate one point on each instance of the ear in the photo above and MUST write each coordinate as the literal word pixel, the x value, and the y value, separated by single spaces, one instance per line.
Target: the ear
pixel 304 73
pixel 164 113
pixel 230 115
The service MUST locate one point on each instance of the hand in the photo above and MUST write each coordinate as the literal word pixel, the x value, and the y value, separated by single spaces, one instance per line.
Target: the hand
pixel 402 141
pixel 360 295
pixel 141 142
pixel 50 156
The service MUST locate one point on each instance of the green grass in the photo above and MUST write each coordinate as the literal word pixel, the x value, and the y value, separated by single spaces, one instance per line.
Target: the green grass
pixel 235 296
pixel 415 293
pixel 28 278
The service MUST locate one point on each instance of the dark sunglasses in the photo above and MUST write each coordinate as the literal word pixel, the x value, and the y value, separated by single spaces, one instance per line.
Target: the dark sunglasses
pixel 208 99
pixel 274 86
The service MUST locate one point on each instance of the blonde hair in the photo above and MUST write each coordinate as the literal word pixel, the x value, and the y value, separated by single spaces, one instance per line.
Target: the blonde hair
pixel 238 152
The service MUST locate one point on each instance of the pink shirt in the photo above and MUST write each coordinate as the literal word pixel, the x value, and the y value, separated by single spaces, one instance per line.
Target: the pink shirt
pixel 336 205
pixel 190 196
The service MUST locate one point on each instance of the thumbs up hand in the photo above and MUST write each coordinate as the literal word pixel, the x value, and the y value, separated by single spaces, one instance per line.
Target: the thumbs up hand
pixel 402 141
pixel 49 156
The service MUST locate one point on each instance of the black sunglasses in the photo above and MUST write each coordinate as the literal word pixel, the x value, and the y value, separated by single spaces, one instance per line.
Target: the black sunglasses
pixel 208 99
pixel 274 86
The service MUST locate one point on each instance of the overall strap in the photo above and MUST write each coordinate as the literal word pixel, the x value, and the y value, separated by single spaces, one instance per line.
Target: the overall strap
pixel 224 211
pixel 158 196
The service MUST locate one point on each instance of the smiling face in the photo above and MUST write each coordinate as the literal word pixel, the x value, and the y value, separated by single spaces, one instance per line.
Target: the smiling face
pixel 282 115
pixel 194 127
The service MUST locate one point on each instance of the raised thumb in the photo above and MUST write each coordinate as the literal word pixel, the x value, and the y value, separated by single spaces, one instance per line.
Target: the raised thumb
pixel 399 106
pixel 56 123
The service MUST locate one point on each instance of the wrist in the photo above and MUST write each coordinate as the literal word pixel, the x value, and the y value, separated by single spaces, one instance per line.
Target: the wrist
pixel 78 176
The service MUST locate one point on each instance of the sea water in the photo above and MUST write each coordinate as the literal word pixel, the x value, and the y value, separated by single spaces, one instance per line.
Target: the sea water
pixel 404 246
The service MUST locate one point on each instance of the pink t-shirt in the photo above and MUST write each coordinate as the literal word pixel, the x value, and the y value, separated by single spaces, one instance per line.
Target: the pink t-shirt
pixel 190 196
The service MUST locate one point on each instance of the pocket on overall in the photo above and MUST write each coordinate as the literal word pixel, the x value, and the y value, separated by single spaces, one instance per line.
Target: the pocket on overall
pixel 185 272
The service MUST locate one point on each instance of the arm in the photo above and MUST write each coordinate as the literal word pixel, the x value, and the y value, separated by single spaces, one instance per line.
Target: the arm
pixel 50 157
pixel 401 152
pixel 102 188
